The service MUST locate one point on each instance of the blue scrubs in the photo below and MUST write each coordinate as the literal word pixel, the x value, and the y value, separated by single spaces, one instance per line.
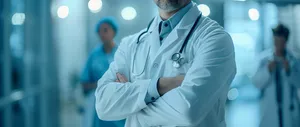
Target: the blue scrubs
pixel 97 64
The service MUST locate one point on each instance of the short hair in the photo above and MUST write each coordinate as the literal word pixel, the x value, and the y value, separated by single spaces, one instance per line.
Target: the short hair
pixel 281 30
pixel 109 20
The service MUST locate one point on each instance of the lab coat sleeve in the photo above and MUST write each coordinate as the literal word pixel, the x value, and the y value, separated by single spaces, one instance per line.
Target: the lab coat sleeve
pixel 152 93
pixel 294 77
pixel 209 77
pixel 116 101
pixel 262 77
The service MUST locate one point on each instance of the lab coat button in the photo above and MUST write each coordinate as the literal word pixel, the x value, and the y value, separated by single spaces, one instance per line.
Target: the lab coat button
pixel 155 65
pixel 161 38
pixel 166 25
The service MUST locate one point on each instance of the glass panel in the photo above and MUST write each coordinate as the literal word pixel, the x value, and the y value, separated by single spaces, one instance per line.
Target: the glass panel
pixel 17 115
pixel 2 89
pixel 1 118
pixel 1 50
pixel 17 42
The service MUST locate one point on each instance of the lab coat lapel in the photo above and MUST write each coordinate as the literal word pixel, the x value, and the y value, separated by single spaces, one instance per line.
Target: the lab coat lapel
pixel 179 33
pixel 154 41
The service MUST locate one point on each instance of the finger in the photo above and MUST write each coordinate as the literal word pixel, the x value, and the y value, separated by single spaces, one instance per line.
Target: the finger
pixel 118 77
pixel 180 77
pixel 121 78
pixel 124 77
pixel 117 80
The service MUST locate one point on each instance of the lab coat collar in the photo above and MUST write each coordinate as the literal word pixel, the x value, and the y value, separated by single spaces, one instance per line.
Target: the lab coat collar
pixel 189 18
pixel 181 30
pixel 154 24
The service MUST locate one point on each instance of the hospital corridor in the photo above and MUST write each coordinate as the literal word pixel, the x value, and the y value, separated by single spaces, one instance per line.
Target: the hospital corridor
pixel 149 63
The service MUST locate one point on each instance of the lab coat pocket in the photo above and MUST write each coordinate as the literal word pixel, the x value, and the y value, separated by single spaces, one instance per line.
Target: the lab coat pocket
pixel 140 59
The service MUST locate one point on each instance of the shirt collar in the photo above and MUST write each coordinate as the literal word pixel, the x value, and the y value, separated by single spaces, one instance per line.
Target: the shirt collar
pixel 176 18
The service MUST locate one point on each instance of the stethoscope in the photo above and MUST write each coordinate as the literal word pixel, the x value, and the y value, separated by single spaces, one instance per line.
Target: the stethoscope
pixel 177 58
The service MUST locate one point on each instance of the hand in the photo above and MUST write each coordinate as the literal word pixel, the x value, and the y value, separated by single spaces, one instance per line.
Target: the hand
pixel 167 84
pixel 286 65
pixel 87 87
pixel 271 66
pixel 121 78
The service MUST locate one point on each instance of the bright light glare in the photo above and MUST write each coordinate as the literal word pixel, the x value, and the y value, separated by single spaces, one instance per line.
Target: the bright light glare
pixel 204 9
pixel 95 5
pixel 233 94
pixel 128 13
pixel 243 40
pixel 63 12
pixel 17 95
pixel 18 19
pixel 253 14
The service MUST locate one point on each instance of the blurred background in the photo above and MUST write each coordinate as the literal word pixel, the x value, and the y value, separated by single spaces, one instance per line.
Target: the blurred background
pixel 45 43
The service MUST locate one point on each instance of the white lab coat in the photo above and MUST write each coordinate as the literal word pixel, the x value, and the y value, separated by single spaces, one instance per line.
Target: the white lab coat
pixel 265 81
pixel 199 101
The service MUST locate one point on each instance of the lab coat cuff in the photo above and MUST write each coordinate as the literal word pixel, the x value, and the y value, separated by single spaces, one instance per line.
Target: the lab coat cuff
pixel 143 92
pixel 152 92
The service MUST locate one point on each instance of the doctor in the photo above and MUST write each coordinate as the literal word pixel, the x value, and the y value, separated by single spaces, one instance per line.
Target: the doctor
pixel 176 72
pixel 278 77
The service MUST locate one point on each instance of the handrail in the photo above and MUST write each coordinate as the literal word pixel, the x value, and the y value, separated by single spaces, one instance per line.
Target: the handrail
pixel 20 94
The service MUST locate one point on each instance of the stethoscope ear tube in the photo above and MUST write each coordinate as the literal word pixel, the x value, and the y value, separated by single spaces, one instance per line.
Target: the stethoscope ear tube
pixel 177 58
pixel 190 34
pixel 149 25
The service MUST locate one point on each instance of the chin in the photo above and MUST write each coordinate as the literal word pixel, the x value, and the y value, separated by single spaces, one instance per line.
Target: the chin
pixel 169 5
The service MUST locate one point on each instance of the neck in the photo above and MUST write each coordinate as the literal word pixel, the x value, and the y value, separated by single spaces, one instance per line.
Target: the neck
pixel 108 46
pixel 280 53
pixel 167 14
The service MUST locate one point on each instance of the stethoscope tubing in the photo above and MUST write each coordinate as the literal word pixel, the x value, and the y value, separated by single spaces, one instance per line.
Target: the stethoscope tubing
pixel 176 57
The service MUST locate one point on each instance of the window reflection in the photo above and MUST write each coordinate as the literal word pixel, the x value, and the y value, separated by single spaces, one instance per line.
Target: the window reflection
pixel 250 35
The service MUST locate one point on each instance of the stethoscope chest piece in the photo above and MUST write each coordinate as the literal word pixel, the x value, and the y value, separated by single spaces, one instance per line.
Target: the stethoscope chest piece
pixel 176 56
pixel 178 60
pixel 176 64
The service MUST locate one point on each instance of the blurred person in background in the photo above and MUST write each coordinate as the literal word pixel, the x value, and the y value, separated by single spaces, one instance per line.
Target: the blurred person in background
pixel 96 65
pixel 176 72
pixel 278 77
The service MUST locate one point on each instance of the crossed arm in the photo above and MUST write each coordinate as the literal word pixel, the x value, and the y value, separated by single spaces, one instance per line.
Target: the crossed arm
pixel 209 76
pixel 164 84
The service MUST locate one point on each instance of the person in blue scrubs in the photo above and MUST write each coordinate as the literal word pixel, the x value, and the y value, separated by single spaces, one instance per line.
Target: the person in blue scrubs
pixel 96 65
